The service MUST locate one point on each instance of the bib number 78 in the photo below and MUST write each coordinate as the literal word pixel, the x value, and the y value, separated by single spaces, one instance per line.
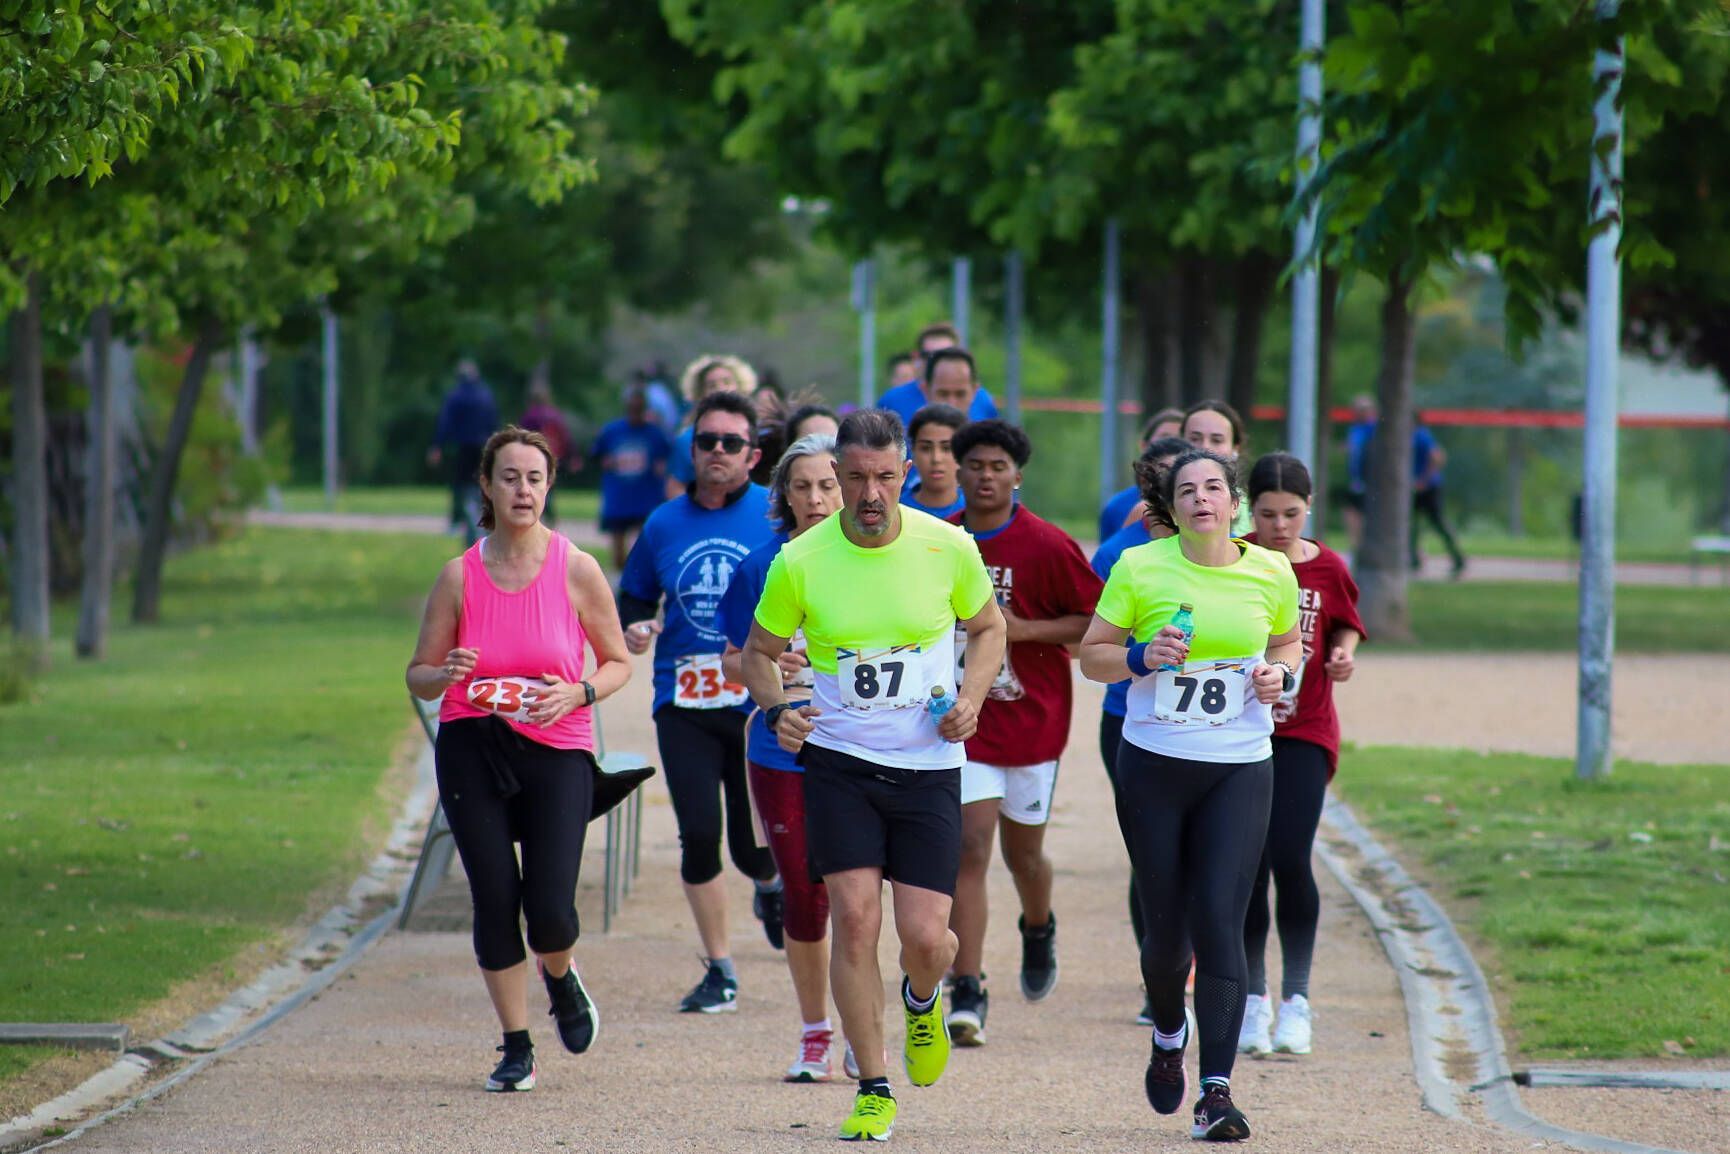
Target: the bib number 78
pixel 1211 694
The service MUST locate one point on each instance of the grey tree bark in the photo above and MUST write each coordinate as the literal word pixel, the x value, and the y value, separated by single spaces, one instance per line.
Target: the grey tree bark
pixel 1325 325
pixel 1253 280
pixel 100 479
pixel 159 514
pixel 1382 564
pixel 30 548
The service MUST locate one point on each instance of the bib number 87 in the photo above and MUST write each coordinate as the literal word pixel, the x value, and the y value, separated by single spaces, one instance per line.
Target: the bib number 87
pixel 866 684
pixel 1213 699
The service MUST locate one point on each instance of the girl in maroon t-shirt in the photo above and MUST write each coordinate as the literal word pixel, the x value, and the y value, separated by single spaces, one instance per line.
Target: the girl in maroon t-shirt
pixel 1306 750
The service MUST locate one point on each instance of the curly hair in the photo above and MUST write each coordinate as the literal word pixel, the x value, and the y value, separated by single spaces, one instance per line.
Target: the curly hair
pixel 691 383
pixel 1150 476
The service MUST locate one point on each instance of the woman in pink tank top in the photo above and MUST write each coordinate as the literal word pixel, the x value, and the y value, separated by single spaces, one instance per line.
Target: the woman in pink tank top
pixel 502 642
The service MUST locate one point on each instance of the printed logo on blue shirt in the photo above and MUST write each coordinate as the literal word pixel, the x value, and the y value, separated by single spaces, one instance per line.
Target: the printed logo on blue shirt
pixel 706 568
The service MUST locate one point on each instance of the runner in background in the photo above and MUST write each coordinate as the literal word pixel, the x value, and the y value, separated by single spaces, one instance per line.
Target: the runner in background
pixel 687 555
pixel 544 417
pixel 1306 751
pixel 1216 427
pixel 1124 507
pixel 1047 595
pixel 802 492
pixel 632 452
pixel 1195 767
pixel 1155 524
pixel 907 399
pixel 812 417
pixel 710 373
pixel 937 490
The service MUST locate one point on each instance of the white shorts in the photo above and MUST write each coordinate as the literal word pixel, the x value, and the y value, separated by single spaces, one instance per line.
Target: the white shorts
pixel 1025 790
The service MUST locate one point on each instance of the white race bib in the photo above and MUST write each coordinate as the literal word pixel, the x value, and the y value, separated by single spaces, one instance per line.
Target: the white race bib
pixel 874 679
pixel 1004 687
pixel 698 683
pixel 1203 693
pixel 506 696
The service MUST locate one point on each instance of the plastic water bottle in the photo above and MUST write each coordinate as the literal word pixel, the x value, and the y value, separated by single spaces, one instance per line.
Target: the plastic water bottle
pixel 1185 621
pixel 939 704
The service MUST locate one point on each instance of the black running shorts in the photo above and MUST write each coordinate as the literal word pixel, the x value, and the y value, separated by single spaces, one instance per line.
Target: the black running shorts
pixel 906 822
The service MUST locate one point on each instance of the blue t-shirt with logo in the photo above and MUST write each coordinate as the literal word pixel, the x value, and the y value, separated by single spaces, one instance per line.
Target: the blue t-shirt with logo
pixel 680 466
pixel 910 498
pixel 1116 511
pixel 1114 546
pixel 738 610
pixel 631 486
pixel 905 400
pixel 690 555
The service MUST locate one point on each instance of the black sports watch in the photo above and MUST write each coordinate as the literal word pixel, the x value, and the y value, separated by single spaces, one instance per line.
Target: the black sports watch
pixel 1288 680
pixel 773 714
pixel 588 693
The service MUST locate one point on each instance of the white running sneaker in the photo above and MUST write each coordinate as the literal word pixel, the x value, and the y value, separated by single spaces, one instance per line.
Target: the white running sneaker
pixel 850 1064
pixel 812 1064
pixel 1257 1018
pixel 1292 1034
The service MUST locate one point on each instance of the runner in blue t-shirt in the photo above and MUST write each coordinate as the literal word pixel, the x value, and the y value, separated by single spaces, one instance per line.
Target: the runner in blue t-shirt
pixel 709 373
pixel 802 493
pixel 632 452
pixel 688 554
pixel 1122 504
pixel 935 488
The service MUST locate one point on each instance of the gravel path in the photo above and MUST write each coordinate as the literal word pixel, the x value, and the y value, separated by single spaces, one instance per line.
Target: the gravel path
pixel 392 1057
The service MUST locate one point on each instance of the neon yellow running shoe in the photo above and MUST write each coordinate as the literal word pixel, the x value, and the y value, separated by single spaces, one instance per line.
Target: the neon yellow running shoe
pixel 872 1119
pixel 926 1051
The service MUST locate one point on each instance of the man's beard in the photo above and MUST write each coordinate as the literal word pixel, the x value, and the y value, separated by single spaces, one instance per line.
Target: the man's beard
pixel 877 530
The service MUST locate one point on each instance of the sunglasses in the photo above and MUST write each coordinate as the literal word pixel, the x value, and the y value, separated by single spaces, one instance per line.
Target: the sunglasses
pixel 730 443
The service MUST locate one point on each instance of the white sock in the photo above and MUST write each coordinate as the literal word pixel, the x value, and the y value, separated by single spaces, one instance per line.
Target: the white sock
pixel 815 1027
pixel 1171 1041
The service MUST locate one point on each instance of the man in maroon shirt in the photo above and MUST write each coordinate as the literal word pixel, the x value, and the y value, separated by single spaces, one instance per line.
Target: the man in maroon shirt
pixel 1047 591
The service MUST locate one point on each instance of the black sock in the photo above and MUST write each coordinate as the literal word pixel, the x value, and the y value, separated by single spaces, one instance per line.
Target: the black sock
pixel 517 1040
pixel 877 1086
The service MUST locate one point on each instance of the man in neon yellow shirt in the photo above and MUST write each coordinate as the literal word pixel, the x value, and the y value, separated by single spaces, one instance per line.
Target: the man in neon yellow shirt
pixel 878 590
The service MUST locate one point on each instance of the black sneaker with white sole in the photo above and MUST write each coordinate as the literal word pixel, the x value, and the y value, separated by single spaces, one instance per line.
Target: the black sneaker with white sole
pixel 967 1001
pixel 1166 1083
pixel 715 994
pixel 515 1071
pixel 1038 959
pixel 1216 1119
pixel 769 906
pixel 578 1020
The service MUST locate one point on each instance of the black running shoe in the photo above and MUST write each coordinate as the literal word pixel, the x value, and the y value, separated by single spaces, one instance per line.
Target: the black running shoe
pixel 1216 1119
pixel 767 905
pixel 1038 959
pixel 968 1001
pixel 715 994
pixel 1167 1083
pixel 515 1071
pixel 579 1021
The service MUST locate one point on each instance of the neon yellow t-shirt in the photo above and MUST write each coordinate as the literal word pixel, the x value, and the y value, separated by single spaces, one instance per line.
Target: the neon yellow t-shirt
pixel 879 627
pixel 1236 608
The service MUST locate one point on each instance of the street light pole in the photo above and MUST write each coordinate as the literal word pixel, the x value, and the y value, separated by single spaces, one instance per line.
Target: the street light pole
pixel 1108 372
pixel 1306 287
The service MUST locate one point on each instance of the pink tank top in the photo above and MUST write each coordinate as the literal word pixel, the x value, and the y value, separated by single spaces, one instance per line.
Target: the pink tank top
pixel 523 634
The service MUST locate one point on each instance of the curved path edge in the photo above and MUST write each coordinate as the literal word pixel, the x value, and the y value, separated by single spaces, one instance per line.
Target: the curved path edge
pixel 333 944
pixel 1451 1012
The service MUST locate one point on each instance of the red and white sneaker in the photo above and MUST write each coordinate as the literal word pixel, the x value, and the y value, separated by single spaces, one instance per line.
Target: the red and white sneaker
pixel 812 1064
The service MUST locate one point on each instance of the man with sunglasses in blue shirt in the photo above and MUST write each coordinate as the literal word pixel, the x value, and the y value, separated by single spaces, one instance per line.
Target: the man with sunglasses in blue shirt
pixel 687 554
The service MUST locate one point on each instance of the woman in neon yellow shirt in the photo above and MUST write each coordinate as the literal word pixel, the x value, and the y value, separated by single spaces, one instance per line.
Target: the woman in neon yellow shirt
pixel 1195 769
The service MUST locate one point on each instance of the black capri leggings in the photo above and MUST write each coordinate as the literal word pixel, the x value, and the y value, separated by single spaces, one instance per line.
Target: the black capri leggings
pixel 478 759
pixel 1300 786
pixel 1194 831
pixel 703 756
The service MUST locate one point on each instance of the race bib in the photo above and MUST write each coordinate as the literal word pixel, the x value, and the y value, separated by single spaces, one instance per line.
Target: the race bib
pixel 506 696
pixel 873 679
pixel 1201 694
pixel 698 683
pixel 1004 687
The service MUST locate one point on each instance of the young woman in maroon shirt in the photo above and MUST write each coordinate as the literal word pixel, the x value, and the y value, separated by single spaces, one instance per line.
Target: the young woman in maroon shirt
pixel 1306 750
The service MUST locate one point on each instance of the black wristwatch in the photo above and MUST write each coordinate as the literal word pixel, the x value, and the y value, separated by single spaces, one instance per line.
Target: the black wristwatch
pixel 588 693
pixel 773 714
pixel 1289 679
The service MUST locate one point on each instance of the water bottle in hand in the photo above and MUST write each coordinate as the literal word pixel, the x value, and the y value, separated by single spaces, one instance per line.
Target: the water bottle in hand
pixel 1185 621
pixel 939 704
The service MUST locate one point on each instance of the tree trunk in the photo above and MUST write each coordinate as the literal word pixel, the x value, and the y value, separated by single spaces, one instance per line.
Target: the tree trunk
pixel 30 602
pixel 100 479
pixel 1197 312
pixel 1325 325
pixel 1153 317
pixel 159 514
pixel 1254 277
pixel 1382 568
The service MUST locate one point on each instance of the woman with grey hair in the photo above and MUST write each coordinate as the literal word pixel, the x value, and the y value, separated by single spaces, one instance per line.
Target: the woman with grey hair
pixel 802 492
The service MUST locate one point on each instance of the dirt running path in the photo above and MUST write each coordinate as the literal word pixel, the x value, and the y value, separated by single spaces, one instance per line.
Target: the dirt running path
pixel 393 1056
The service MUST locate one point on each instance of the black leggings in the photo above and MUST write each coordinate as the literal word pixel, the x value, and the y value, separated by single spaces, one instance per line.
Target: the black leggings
pixel 548 814
pixel 1195 831
pixel 703 756
pixel 1300 784
pixel 1110 737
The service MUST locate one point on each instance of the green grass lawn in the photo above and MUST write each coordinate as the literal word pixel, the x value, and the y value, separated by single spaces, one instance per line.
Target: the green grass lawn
pixel 1538 615
pixel 192 794
pixel 579 508
pixel 1555 548
pixel 1601 907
